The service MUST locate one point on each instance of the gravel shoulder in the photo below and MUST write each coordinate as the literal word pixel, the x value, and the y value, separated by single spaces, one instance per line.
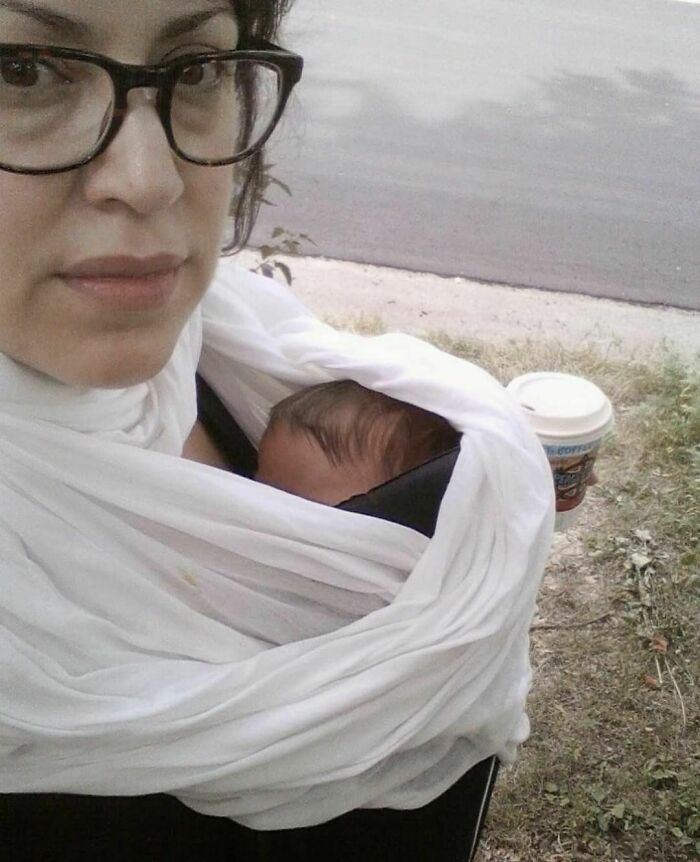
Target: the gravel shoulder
pixel 423 303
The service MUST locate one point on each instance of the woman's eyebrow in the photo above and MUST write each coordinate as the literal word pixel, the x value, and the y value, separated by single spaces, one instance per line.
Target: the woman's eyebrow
pixel 54 20
pixel 76 29
pixel 188 23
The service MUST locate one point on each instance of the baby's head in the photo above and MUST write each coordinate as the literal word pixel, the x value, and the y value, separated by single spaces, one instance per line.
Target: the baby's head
pixel 335 440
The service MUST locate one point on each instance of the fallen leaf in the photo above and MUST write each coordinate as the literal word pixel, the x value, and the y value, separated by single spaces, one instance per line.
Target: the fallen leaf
pixel 598 793
pixel 618 811
pixel 659 643
pixel 640 561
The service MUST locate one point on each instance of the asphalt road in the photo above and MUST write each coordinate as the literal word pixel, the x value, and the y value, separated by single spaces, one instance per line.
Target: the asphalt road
pixel 541 144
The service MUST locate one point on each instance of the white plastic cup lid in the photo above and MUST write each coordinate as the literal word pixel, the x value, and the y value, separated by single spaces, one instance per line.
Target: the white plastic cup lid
pixel 563 407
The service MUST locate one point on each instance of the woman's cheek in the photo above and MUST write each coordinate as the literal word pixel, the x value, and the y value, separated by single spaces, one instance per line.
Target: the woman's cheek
pixel 212 195
pixel 30 220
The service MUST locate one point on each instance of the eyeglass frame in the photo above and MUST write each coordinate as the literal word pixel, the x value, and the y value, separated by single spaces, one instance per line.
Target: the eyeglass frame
pixel 163 77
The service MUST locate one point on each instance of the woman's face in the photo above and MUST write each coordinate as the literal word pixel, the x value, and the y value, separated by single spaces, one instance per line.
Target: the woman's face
pixel 72 244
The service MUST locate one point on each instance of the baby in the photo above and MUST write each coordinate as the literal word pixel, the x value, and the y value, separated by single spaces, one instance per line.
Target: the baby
pixel 332 441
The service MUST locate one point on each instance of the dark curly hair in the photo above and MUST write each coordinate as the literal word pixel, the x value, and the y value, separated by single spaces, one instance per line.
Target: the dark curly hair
pixel 351 423
pixel 257 19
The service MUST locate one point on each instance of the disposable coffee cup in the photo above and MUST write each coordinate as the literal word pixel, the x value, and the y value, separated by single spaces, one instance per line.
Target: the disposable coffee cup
pixel 572 417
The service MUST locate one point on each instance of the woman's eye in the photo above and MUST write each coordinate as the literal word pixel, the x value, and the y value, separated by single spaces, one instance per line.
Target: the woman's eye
pixel 28 73
pixel 203 75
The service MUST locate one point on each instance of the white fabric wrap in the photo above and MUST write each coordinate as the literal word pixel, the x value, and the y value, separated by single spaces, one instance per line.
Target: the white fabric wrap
pixel 169 627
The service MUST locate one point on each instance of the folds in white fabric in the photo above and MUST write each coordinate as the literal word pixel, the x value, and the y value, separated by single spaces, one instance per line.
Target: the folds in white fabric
pixel 169 627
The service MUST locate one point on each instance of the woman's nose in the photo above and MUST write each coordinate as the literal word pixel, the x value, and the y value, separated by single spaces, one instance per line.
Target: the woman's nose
pixel 138 168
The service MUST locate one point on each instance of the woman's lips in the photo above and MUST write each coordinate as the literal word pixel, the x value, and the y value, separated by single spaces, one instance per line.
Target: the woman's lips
pixel 130 294
pixel 128 284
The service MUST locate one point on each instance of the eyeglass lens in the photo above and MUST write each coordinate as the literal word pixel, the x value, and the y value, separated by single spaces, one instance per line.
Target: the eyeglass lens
pixel 55 111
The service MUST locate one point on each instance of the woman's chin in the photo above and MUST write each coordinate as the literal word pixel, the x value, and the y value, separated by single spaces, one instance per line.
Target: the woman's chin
pixel 129 372
pixel 112 369
pixel 123 379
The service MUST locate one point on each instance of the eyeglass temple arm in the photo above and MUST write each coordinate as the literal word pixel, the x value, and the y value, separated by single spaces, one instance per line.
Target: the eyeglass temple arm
pixel 255 44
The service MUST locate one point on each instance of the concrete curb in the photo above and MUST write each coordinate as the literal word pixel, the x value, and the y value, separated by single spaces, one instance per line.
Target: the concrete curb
pixel 420 302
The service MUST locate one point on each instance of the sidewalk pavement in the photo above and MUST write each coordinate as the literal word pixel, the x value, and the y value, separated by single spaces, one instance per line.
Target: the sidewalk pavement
pixel 419 303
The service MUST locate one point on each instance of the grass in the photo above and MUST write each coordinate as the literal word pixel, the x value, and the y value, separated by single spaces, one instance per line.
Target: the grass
pixel 612 768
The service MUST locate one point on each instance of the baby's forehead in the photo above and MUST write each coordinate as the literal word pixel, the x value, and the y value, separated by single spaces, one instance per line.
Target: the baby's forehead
pixel 348 422
pixel 342 446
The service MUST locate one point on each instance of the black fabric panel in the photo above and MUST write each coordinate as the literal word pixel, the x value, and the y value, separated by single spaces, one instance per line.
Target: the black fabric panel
pixel 412 499
pixel 224 431
pixel 68 828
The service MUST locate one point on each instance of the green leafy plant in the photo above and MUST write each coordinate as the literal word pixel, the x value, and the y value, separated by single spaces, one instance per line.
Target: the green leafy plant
pixel 282 241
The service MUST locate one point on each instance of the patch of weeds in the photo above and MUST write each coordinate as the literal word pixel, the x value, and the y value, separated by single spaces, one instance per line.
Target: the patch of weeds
pixel 362 324
pixel 625 382
pixel 678 792
pixel 282 242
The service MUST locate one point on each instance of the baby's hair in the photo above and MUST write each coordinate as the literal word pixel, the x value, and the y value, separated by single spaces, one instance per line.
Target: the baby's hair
pixel 350 422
